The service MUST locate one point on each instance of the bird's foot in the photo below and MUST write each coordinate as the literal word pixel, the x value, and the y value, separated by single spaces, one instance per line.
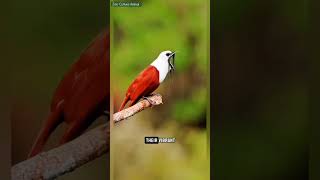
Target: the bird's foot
pixel 149 100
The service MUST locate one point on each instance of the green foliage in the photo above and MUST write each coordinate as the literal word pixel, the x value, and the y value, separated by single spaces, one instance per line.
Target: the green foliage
pixel 138 36
pixel 188 110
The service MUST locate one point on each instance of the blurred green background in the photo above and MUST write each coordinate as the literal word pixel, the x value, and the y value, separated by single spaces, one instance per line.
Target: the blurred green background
pixel 138 36
pixel 45 38
pixel 260 119
pixel 260 96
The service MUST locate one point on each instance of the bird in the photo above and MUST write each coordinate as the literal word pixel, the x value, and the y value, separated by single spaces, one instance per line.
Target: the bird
pixel 82 95
pixel 149 79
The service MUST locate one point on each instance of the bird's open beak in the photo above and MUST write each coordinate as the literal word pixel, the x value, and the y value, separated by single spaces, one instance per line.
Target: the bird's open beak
pixel 171 63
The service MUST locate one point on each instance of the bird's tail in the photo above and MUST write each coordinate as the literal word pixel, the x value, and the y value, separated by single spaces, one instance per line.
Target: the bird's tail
pixel 126 99
pixel 52 122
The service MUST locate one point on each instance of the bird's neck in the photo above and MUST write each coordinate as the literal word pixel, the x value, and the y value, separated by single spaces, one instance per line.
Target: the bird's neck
pixel 162 67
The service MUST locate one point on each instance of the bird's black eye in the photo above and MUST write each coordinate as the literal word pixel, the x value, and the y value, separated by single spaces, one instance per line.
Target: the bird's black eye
pixel 168 54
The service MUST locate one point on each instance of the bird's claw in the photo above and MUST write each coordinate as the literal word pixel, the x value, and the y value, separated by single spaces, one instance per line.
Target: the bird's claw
pixel 149 100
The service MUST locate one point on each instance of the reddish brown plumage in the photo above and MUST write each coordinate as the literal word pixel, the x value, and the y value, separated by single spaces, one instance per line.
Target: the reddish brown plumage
pixel 146 82
pixel 81 96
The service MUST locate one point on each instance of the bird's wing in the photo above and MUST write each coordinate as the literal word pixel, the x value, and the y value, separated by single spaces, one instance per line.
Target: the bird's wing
pixel 146 82
pixel 78 73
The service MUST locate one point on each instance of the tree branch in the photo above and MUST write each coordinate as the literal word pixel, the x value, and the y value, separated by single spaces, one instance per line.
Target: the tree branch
pixel 85 148
pixel 156 99
pixel 65 158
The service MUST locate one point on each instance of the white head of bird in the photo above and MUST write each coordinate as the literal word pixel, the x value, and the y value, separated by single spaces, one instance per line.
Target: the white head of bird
pixel 164 64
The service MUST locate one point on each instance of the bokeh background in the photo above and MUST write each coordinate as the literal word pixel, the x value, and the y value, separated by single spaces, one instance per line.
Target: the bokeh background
pixel 138 36
pixel 46 37
pixel 260 90
pixel 261 96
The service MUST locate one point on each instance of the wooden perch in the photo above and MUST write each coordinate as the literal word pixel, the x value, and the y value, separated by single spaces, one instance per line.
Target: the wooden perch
pixel 126 113
pixel 85 148
pixel 65 158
